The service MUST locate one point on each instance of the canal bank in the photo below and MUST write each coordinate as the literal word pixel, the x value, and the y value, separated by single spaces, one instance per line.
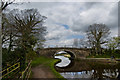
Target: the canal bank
pixel 43 67
pixel 105 60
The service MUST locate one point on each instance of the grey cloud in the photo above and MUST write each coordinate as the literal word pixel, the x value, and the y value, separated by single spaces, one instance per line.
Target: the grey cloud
pixel 78 16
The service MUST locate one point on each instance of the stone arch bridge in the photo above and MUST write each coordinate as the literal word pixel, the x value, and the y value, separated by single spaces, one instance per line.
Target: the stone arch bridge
pixel 76 52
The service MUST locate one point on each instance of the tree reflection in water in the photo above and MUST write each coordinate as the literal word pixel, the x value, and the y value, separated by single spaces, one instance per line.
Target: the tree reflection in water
pixel 91 69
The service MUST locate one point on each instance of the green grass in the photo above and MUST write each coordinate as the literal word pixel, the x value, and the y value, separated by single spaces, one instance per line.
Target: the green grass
pixel 104 56
pixel 99 56
pixel 47 62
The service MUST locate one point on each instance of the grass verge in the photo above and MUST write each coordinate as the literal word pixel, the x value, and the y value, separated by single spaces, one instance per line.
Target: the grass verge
pixel 104 56
pixel 47 62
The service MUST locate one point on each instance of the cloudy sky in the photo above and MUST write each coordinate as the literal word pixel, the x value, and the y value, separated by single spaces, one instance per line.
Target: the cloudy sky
pixel 69 20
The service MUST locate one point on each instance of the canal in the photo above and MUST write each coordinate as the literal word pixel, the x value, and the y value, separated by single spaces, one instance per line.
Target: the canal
pixel 85 69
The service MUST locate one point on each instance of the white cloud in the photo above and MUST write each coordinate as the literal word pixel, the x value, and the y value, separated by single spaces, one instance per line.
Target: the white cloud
pixel 78 16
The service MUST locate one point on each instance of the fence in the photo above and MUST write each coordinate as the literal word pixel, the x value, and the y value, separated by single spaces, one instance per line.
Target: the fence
pixel 26 73
pixel 8 72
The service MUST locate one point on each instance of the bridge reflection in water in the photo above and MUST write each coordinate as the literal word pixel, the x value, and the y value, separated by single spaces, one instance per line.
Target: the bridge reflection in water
pixel 64 61
pixel 64 57
pixel 88 69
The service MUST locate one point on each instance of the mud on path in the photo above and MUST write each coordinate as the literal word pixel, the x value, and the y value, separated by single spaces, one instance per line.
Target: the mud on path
pixel 42 72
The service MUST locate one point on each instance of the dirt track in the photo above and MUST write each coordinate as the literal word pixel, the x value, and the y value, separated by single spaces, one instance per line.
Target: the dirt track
pixel 42 72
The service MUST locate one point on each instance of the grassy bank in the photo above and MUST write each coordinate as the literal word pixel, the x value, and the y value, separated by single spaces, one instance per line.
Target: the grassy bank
pixel 104 56
pixel 47 62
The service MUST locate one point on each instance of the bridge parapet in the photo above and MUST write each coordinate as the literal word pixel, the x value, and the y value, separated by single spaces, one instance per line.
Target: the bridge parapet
pixel 78 53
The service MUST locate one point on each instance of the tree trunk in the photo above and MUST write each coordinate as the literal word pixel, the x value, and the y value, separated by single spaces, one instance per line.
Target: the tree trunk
pixel 98 46
pixel 0 39
pixel 10 45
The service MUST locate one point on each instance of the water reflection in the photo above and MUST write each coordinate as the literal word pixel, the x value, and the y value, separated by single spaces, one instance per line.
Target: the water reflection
pixel 64 57
pixel 64 61
pixel 91 69
pixel 86 69
pixel 105 73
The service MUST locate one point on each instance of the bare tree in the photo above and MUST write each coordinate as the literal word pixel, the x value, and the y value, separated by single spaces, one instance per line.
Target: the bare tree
pixel 3 6
pixel 25 27
pixel 23 30
pixel 97 34
pixel 5 3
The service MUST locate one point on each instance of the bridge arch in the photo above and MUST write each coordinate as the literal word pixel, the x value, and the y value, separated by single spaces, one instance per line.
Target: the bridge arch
pixel 73 56
pixel 75 52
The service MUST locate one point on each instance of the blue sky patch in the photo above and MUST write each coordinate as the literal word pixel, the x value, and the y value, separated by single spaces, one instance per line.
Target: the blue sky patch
pixel 64 25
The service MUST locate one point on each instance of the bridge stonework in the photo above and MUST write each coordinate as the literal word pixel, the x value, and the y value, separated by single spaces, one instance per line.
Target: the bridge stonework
pixel 78 53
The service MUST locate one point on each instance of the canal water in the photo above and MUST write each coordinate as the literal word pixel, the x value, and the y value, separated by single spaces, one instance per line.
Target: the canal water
pixel 87 69
pixel 64 61
pixel 91 74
